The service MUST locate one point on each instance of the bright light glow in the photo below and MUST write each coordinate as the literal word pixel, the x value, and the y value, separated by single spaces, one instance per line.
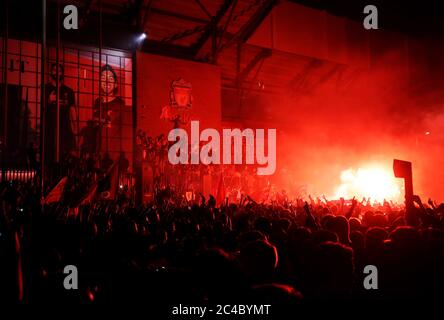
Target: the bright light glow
pixel 377 183
pixel 427 133
pixel 141 37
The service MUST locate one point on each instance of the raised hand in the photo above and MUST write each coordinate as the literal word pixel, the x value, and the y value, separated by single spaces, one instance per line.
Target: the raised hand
pixel 354 202
pixel 431 203
pixel 417 199
pixel 352 208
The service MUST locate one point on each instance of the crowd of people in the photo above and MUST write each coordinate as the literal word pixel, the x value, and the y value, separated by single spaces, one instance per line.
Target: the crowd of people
pixel 237 179
pixel 285 252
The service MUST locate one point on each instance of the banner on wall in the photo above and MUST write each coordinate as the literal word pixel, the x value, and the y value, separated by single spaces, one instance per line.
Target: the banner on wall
pixel 173 92
pixel 95 99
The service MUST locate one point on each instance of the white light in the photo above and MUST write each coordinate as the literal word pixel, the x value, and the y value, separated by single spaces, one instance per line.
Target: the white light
pixel 373 181
pixel 427 133
pixel 141 37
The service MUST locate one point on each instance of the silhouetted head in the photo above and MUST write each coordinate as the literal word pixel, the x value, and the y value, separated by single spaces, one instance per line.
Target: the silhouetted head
pixel 355 224
pixel 251 236
pixel 276 294
pixel 331 271
pixel 374 239
pixel 263 225
pixel 321 236
pixel 357 240
pixel 377 220
pixel 216 271
pixel 404 239
pixel 340 226
pixel 325 219
pixel 297 236
pixel 258 261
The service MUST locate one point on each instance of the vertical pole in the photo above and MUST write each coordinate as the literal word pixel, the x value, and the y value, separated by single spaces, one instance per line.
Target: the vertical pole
pixel 78 103
pixel 122 86
pixel 272 29
pixel 238 79
pixel 3 146
pixel 100 82
pixel 214 44
pixel 57 156
pixel 42 102
pixel 137 165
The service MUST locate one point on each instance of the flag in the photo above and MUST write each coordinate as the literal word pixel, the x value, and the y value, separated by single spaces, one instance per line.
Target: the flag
pixel 19 267
pixel 56 193
pixel 114 181
pixel 106 187
pixel 73 211
pixel 90 195
pixel 220 195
